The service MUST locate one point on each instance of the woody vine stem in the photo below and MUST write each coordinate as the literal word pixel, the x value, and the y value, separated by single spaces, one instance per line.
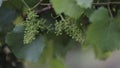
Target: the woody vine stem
pixel 49 6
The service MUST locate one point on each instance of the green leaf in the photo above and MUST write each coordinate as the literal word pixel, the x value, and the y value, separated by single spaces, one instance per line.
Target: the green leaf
pixel 33 51
pixel 103 33
pixel 18 20
pixel 7 16
pixel 69 7
pixel 100 15
pixel 57 63
pixel 0 3
pixel 117 19
pixel 34 65
pixel 47 52
pixel 16 36
pixel 31 3
pixel 14 4
pixel 30 52
pixel 88 12
pixel 85 3
pixel 15 40
pixel 61 45
pixel 18 29
pixel 101 54
pixel 11 39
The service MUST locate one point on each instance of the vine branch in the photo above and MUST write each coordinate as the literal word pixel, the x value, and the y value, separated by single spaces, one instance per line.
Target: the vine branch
pixel 40 1
pixel 25 3
pixel 106 3
pixel 49 6
pixel 44 9
pixel 109 9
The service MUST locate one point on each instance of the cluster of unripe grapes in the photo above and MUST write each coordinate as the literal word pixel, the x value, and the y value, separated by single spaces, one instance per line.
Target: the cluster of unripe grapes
pixel 68 25
pixel 32 26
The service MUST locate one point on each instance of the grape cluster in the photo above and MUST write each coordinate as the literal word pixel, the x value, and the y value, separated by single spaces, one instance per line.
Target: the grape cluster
pixel 70 27
pixel 32 25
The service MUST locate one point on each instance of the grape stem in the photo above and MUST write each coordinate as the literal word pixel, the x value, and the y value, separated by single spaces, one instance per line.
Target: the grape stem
pixel 25 3
pixel 108 6
pixel 110 12
pixel 40 1
pixel 44 9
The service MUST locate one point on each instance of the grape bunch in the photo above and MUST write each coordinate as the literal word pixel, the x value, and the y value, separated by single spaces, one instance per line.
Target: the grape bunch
pixel 70 27
pixel 32 25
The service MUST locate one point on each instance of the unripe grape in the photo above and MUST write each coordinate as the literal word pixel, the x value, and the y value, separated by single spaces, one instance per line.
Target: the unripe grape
pixel 32 26
pixel 69 26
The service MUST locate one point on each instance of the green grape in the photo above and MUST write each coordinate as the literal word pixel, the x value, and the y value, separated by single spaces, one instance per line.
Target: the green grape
pixel 32 26
pixel 58 28
pixel 69 26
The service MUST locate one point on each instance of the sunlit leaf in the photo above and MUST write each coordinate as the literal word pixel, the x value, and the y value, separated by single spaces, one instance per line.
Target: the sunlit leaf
pixel 69 7
pixel 102 14
pixel 103 33
pixel 85 3
pixel 18 20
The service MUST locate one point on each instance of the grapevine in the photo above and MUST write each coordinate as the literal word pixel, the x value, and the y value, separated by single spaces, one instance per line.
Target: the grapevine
pixel 69 26
pixel 32 26
pixel 92 23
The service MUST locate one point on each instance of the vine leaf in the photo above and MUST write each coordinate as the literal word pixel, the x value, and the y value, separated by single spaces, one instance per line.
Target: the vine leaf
pixel 14 4
pixel 31 3
pixel 18 20
pixel 14 40
pixel 30 52
pixel 117 19
pixel 102 13
pixel 15 37
pixel 103 33
pixel 47 52
pixel 57 63
pixel 33 51
pixel 72 9
pixel 0 3
pixel 85 3
pixel 6 18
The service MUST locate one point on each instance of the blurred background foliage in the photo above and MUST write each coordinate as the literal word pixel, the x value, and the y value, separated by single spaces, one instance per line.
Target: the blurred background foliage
pixel 69 24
